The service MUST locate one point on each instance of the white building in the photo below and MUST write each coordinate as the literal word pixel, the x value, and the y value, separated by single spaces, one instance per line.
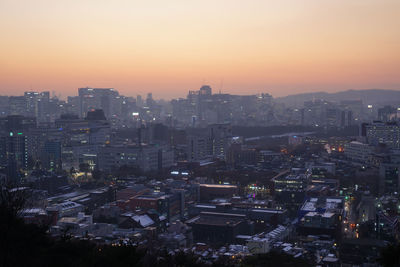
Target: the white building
pixel 358 152
pixel 146 157
pixel 262 243
pixel 383 133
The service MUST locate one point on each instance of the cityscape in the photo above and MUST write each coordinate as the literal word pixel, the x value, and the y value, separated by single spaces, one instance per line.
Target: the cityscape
pixel 218 176
pixel 213 133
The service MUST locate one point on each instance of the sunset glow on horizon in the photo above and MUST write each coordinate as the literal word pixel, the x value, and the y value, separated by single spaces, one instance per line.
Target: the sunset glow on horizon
pixel 169 47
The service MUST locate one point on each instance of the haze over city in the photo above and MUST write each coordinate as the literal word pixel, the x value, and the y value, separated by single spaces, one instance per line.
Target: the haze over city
pixel 240 133
pixel 169 47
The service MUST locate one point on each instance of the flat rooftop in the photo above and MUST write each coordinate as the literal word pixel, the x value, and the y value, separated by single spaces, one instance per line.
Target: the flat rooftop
pixel 217 219
pixel 218 185
pixel 324 203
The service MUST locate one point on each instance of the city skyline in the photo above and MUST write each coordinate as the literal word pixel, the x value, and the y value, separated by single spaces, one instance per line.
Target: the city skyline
pixel 169 48
pixel 200 133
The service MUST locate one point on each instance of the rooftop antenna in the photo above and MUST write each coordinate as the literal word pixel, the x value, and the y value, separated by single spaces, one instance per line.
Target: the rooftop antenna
pixel 221 86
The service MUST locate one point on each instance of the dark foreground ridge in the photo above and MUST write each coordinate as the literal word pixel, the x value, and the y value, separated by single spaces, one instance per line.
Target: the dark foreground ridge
pixel 23 244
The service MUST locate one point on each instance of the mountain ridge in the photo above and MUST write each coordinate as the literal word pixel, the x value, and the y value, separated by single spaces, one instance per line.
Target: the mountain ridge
pixel 368 96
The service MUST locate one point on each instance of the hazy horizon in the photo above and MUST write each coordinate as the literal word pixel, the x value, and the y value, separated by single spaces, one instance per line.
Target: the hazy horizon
pixel 184 95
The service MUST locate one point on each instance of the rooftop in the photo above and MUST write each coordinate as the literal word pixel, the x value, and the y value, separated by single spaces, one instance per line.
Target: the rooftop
pixel 218 185
pixel 322 204
pixel 217 219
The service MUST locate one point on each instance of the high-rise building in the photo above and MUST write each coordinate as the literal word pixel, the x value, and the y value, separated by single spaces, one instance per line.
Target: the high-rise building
pixel 389 178
pixel 4 106
pixel 387 113
pixel 97 98
pixel 197 147
pixel 17 105
pixel 38 105
pixel 14 145
pixel 219 137
pixel 149 100
pixel 73 105
pixel 139 101
pixel 205 90
pixel 383 133
pixel 31 99
pixel 16 156
pixel 51 155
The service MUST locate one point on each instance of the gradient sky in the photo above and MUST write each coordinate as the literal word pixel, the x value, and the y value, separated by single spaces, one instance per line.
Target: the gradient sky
pixel 169 47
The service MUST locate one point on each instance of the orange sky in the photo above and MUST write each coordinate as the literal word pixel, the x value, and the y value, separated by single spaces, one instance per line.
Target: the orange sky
pixel 169 47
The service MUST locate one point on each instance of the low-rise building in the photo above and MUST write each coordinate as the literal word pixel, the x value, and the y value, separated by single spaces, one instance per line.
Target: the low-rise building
pixel 146 157
pixel 358 152
pixel 322 215
pixel 219 228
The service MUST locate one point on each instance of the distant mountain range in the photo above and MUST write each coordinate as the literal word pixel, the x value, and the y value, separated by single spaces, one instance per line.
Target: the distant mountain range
pixel 370 96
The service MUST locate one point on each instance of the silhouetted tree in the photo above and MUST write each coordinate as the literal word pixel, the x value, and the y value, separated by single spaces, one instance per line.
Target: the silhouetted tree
pixel 29 245
pixel 84 167
pixel 390 256
pixel 97 175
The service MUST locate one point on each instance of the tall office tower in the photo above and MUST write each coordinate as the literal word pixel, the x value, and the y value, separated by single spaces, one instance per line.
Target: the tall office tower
pixel 197 146
pixel 31 99
pixel 37 105
pixel 73 105
pixel 219 136
pixel 193 99
pixel 17 105
pixel 16 155
pixel 321 112
pixel 43 107
pixel 149 100
pixel 97 98
pixel 355 106
pixel 331 116
pixel 264 108
pixel 265 98
pixel 386 113
pixel 302 116
pixel 4 106
pixel 205 90
pixel 51 155
pixel 204 103
pixel 222 105
pixel 349 117
pixel 343 118
pixel 346 118
pixel 182 112
pixel 82 138
pixel 139 101
pixel 14 146
pixel 389 181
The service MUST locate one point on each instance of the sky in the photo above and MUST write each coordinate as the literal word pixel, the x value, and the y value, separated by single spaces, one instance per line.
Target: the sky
pixel 169 47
